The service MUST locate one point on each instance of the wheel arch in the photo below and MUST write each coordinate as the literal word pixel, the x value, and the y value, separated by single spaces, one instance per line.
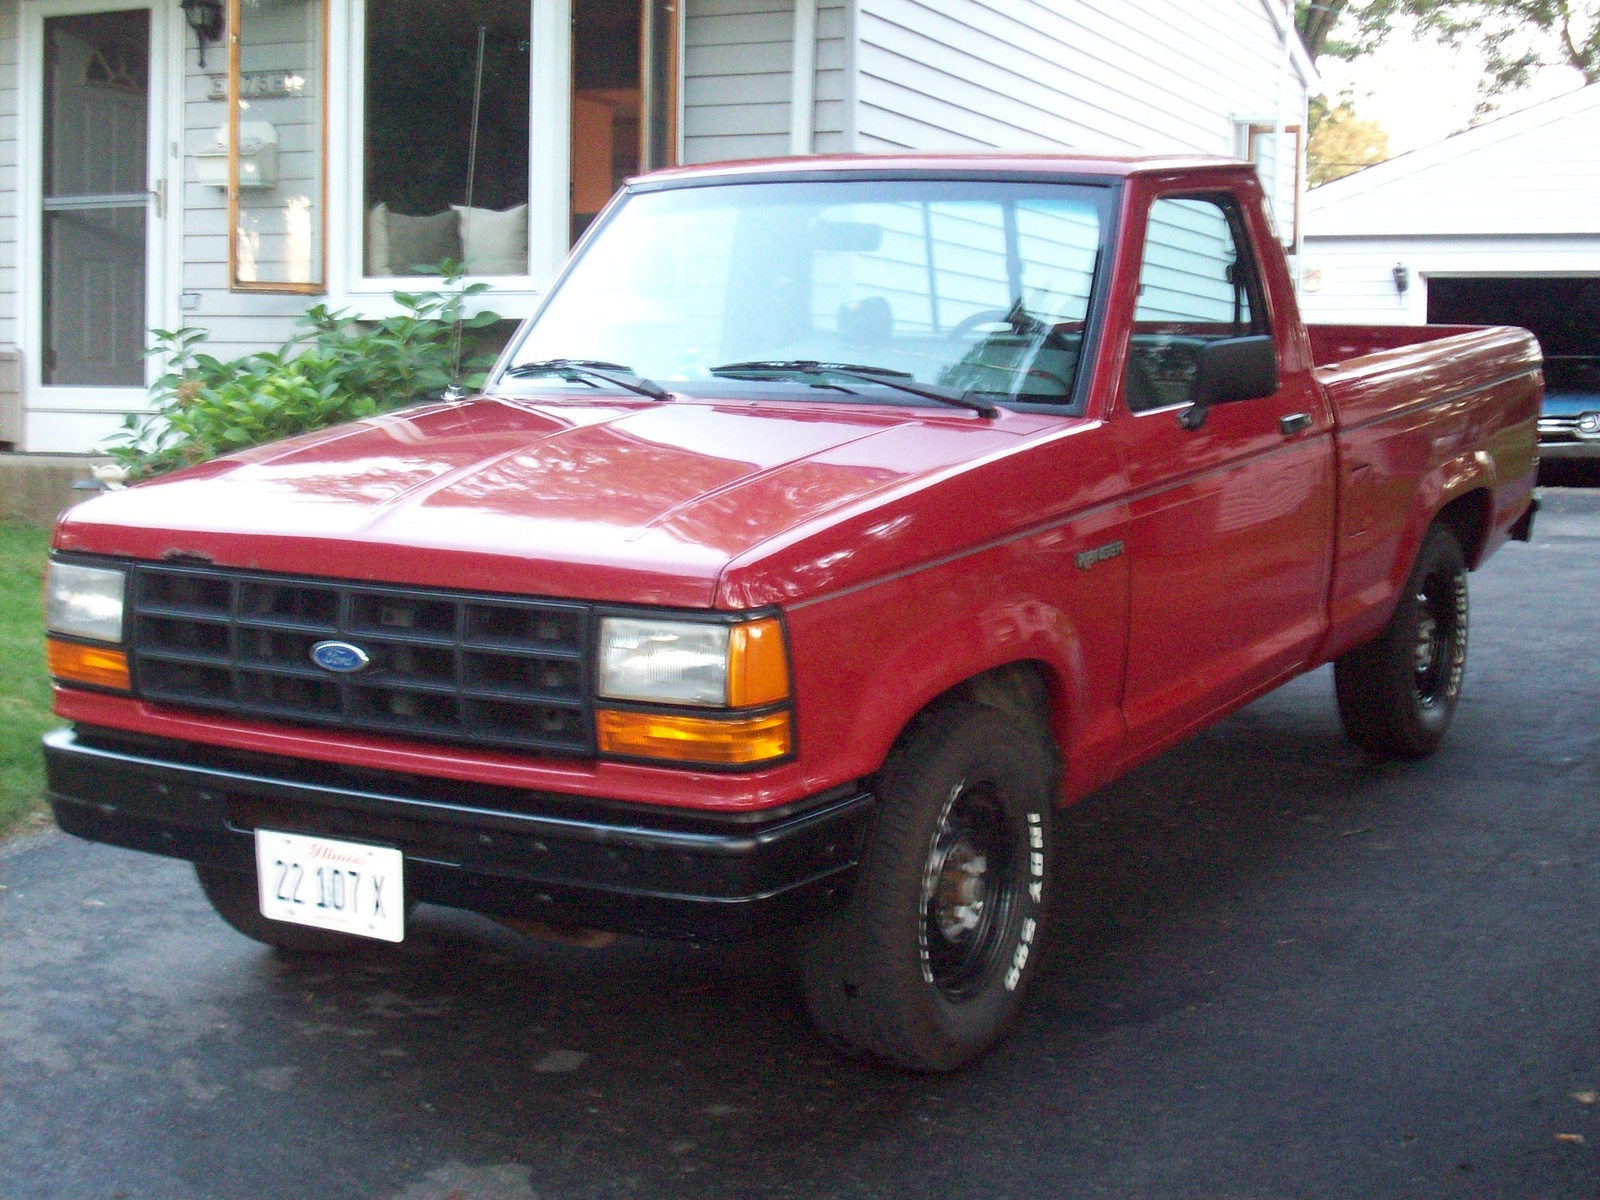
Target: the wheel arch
pixel 1025 690
pixel 1460 493
pixel 1469 517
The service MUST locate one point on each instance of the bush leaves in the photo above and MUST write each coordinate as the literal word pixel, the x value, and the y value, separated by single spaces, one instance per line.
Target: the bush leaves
pixel 334 369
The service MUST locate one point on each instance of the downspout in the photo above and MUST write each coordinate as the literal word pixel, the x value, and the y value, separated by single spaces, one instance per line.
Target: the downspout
pixel 803 78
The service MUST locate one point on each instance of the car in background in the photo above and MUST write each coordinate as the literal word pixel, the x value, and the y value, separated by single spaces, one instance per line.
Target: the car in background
pixel 1569 420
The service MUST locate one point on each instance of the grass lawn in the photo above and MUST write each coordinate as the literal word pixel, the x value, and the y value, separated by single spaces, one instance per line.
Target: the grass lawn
pixel 24 686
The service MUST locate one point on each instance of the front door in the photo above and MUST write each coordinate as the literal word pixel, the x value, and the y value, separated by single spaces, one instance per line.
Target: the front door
pixel 99 214
pixel 1229 522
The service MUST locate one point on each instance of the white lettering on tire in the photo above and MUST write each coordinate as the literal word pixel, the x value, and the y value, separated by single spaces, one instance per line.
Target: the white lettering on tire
pixel 1020 958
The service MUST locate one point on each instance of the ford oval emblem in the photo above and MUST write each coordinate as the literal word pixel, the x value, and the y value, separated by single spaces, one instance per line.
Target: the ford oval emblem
pixel 339 656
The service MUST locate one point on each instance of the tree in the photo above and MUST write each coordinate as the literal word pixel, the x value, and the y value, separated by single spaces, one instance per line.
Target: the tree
pixel 1515 37
pixel 1341 143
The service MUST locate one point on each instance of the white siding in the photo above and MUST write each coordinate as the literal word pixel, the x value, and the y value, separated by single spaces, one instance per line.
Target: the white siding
pixel 8 172
pixel 1350 281
pixel 1532 172
pixel 1053 74
pixel 737 58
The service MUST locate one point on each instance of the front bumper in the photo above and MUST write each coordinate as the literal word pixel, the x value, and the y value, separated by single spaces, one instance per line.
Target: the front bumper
pixel 501 851
pixel 1569 435
pixel 1589 450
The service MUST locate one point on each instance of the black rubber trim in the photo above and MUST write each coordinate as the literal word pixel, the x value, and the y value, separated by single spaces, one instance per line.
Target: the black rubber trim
pixel 1522 529
pixel 550 858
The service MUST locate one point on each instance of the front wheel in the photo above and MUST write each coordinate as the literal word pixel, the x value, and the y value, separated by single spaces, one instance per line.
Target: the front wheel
pixel 926 964
pixel 1398 692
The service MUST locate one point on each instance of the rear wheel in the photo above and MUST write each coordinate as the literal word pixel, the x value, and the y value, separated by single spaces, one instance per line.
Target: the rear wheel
pixel 926 964
pixel 233 894
pixel 1398 692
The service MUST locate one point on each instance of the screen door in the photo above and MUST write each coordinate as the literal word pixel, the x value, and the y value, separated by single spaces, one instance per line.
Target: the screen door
pixel 95 201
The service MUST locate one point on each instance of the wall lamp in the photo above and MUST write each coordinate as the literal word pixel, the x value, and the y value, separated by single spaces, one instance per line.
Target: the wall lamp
pixel 205 18
pixel 1402 278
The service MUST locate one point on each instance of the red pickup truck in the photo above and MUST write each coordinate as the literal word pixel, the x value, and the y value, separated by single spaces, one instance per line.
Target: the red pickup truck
pixel 828 526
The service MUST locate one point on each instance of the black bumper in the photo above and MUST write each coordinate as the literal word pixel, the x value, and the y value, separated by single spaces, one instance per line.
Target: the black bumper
pixel 500 851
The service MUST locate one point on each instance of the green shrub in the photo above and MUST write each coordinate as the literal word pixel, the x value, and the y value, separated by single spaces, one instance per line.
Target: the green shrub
pixel 334 369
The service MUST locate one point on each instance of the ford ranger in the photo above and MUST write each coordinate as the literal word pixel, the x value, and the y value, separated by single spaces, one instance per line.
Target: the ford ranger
pixel 828 525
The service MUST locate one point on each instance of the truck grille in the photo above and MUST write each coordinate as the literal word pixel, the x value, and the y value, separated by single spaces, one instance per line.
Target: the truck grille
pixel 446 666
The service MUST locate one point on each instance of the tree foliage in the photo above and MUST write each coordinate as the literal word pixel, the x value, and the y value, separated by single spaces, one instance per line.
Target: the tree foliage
pixel 1515 37
pixel 1341 142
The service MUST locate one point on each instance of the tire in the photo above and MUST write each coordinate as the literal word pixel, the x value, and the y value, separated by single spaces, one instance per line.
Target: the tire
pixel 926 964
pixel 1398 692
pixel 233 894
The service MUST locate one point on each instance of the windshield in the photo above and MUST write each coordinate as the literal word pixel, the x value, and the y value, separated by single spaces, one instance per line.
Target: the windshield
pixel 979 287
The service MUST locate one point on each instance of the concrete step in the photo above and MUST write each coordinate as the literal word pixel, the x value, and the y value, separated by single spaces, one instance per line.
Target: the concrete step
pixel 35 488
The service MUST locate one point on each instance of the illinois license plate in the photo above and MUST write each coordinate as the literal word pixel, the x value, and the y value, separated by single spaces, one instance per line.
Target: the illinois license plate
pixel 345 887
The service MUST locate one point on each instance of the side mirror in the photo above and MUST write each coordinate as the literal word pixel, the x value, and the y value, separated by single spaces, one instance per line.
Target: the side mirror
pixel 1229 369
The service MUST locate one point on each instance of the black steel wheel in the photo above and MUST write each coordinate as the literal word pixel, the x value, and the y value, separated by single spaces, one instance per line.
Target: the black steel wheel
pixel 926 964
pixel 1398 692
pixel 233 894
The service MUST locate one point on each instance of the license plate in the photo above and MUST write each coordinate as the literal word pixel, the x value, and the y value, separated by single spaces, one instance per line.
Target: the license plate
pixel 346 887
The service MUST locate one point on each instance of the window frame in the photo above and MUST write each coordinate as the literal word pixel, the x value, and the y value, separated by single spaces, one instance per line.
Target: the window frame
pixel 1244 248
pixel 1262 321
pixel 318 287
pixel 1248 131
pixel 549 120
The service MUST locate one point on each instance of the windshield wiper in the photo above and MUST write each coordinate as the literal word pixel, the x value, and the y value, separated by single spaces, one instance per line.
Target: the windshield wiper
pixel 615 374
pixel 899 380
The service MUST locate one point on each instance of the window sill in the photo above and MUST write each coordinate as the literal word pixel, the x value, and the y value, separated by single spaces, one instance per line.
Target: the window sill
pixel 512 296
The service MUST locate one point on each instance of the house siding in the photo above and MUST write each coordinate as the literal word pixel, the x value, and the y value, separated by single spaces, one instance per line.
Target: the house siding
pixel 1351 280
pixel 1063 74
pixel 737 60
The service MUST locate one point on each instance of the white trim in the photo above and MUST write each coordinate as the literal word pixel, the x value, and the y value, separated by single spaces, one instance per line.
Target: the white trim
pixel 550 141
pixel 803 78
pixel 549 153
pixel 680 11
pixel 162 240
pixel 852 90
pixel 1283 23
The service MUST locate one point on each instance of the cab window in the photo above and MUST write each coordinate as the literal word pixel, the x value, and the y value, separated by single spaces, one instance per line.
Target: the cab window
pixel 1196 285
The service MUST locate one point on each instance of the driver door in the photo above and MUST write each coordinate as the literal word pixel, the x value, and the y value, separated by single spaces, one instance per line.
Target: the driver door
pixel 1229 523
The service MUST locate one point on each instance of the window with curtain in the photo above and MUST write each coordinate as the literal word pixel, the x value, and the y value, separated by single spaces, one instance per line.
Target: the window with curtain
pixel 445 138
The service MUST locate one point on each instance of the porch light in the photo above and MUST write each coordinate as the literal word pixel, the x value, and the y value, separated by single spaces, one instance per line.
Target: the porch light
pixel 205 18
pixel 1402 278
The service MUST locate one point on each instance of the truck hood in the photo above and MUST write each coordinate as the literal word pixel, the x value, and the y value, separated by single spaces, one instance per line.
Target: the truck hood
pixel 628 503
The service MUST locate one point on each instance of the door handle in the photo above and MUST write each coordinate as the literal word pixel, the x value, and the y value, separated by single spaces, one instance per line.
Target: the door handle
pixel 158 198
pixel 1294 423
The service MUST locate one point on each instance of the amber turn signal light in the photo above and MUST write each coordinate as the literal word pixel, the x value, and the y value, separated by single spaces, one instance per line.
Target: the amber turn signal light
pixel 758 666
pixel 97 666
pixel 741 742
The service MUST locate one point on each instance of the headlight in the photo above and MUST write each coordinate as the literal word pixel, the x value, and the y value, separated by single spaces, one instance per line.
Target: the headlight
pixel 84 602
pixel 664 662
pixel 741 669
